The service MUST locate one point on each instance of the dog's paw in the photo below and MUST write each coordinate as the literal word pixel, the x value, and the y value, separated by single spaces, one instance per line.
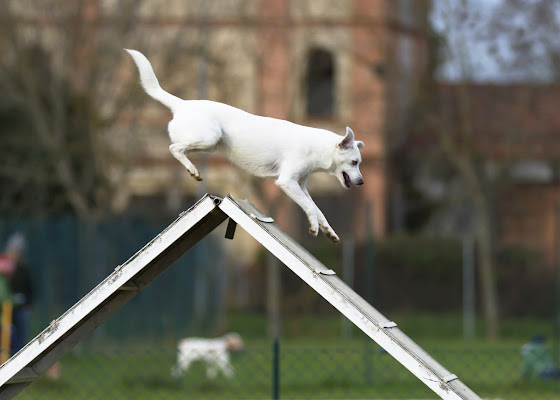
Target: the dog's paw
pixel 330 233
pixel 333 237
pixel 313 226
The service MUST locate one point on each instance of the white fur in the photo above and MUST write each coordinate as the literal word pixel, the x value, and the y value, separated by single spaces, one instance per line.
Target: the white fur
pixel 265 147
pixel 214 352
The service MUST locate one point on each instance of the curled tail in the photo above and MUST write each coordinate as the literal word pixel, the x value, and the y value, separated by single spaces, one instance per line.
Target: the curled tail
pixel 149 81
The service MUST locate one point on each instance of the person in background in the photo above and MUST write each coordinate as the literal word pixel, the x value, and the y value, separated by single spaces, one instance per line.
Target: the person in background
pixel 537 360
pixel 21 287
pixel 20 290
pixel 7 267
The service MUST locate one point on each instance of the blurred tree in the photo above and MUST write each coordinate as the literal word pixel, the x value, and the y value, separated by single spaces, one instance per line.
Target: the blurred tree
pixel 54 152
pixel 498 39
pixel 49 143
pixel 448 117
pixel 522 30
pixel 511 41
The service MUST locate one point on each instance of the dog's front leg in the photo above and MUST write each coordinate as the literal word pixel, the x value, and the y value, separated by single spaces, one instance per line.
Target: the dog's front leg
pixel 323 223
pixel 293 190
pixel 226 366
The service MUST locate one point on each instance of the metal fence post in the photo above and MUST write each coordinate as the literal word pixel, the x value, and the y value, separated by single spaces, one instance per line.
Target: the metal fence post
pixel 348 250
pixel 468 288
pixel 276 369
pixel 556 321
pixel 369 278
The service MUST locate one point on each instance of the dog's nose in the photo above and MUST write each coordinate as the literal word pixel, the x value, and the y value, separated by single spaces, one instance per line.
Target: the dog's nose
pixel 360 182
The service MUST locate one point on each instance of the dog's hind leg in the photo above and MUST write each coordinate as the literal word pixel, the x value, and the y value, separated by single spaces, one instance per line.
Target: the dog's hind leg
pixel 179 152
pixel 193 140
pixel 211 370
pixel 183 362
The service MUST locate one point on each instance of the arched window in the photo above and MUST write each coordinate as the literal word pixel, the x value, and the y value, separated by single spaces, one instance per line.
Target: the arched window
pixel 319 81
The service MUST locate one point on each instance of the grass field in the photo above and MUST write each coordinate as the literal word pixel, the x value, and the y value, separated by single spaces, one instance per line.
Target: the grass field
pixel 312 366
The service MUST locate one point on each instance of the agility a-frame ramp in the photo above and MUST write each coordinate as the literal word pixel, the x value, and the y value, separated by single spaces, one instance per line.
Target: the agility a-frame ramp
pixel 188 229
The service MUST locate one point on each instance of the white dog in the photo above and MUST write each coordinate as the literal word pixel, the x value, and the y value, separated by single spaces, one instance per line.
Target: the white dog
pixel 265 147
pixel 214 352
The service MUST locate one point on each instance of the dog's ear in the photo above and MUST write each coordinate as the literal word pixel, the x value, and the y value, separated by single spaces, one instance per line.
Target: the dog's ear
pixel 348 140
pixel 360 144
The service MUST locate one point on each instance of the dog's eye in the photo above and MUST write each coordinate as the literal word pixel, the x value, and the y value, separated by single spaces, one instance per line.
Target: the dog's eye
pixel 354 162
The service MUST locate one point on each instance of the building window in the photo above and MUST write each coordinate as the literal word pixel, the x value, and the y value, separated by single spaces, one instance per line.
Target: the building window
pixel 319 81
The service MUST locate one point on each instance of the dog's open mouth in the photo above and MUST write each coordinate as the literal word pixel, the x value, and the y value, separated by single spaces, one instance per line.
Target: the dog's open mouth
pixel 346 179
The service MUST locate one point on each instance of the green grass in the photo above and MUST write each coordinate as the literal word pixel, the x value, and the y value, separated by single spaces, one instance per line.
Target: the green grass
pixel 314 364
pixel 319 372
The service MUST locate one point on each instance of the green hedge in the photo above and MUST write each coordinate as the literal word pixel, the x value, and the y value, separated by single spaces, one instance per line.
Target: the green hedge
pixel 418 273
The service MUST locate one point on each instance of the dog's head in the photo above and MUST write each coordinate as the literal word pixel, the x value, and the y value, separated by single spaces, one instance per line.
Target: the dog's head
pixel 347 159
pixel 233 341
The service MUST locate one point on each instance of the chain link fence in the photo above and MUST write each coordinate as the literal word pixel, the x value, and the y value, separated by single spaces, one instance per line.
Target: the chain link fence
pixel 357 371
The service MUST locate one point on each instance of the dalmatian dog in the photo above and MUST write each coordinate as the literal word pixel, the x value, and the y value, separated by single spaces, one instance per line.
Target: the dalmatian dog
pixel 213 352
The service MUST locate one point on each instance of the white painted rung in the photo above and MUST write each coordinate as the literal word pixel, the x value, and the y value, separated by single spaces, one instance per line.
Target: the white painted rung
pixel 326 272
pixel 262 218
pixel 449 378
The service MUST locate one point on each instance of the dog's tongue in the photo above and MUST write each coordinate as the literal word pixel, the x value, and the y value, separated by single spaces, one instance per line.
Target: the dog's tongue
pixel 346 179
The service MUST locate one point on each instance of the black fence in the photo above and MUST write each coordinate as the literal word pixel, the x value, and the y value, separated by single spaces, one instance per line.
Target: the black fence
pixel 356 371
pixel 68 257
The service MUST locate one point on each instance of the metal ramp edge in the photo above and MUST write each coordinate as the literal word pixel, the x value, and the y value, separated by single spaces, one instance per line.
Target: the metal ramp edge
pixel 154 258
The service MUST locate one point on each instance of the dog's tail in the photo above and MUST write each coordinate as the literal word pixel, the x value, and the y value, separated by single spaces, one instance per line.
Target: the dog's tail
pixel 149 81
